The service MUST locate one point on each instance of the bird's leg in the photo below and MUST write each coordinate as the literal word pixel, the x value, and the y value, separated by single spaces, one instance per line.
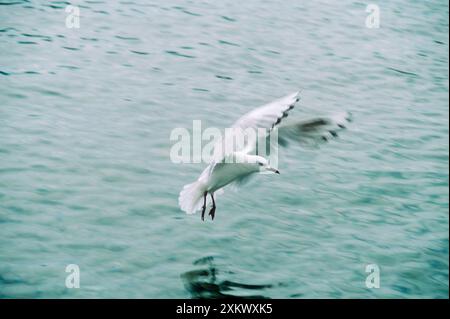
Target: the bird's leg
pixel 204 205
pixel 213 209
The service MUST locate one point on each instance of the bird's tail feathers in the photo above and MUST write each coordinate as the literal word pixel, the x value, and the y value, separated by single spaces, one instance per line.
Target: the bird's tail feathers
pixel 190 197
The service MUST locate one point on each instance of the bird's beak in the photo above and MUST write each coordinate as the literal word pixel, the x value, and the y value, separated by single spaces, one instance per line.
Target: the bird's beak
pixel 273 170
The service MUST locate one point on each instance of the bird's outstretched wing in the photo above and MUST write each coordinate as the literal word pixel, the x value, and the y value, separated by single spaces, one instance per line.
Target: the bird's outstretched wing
pixel 269 115
pixel 265 117
pixel 314 131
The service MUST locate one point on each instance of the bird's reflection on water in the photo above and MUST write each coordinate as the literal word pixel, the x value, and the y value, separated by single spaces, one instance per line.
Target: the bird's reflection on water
pixel 203 282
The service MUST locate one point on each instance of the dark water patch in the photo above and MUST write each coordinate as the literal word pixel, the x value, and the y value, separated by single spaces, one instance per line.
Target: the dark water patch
pixel 228 18
pixel 200 90
pixel 77 207
pixel 7 220
pixel 104 28
pixel 89 39
pixel 61 2
pixel 31 72
pixel 28 35
pixel 10 280
pixel 101 12
pixel 297 295
pixel 4 73
pixel 121 37
pixel 55 6
pixel 50 93
pixel 11 3
pixel 175 53
pixel 182 9
pixel 42 191
pixel 17 95
pixel 70 67
pixel 254 72
pixel 71 48
pixel 139 52
pixel 7 29
pixel 402 72
pixel 223 77
pixel 17 209
pixel 228 43
pixel 26 42
pixel 138 11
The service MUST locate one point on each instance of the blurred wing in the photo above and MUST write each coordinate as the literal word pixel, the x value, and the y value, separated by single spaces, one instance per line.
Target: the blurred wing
pixel 265 117
pixel 314 131
pixel 269 115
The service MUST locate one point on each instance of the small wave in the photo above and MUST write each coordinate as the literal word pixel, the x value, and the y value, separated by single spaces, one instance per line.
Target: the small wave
pixel 180 54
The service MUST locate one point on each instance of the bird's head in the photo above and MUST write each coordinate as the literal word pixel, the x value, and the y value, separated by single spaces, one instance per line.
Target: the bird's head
pixel 263 165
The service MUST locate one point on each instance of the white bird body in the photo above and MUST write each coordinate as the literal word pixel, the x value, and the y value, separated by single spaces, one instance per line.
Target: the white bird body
pixel 215 177
pixel 223 174
pixel 238 165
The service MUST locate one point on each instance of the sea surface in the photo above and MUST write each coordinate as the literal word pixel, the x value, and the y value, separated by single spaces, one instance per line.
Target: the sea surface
pixel 86 178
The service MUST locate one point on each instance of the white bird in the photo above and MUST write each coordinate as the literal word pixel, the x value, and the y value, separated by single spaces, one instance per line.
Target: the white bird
pixel 237 165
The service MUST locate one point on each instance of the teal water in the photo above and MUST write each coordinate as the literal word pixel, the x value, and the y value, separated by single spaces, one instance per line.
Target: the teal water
pixel 86 178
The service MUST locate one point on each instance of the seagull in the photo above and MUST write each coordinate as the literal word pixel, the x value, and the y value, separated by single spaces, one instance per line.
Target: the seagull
pixel 235 167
